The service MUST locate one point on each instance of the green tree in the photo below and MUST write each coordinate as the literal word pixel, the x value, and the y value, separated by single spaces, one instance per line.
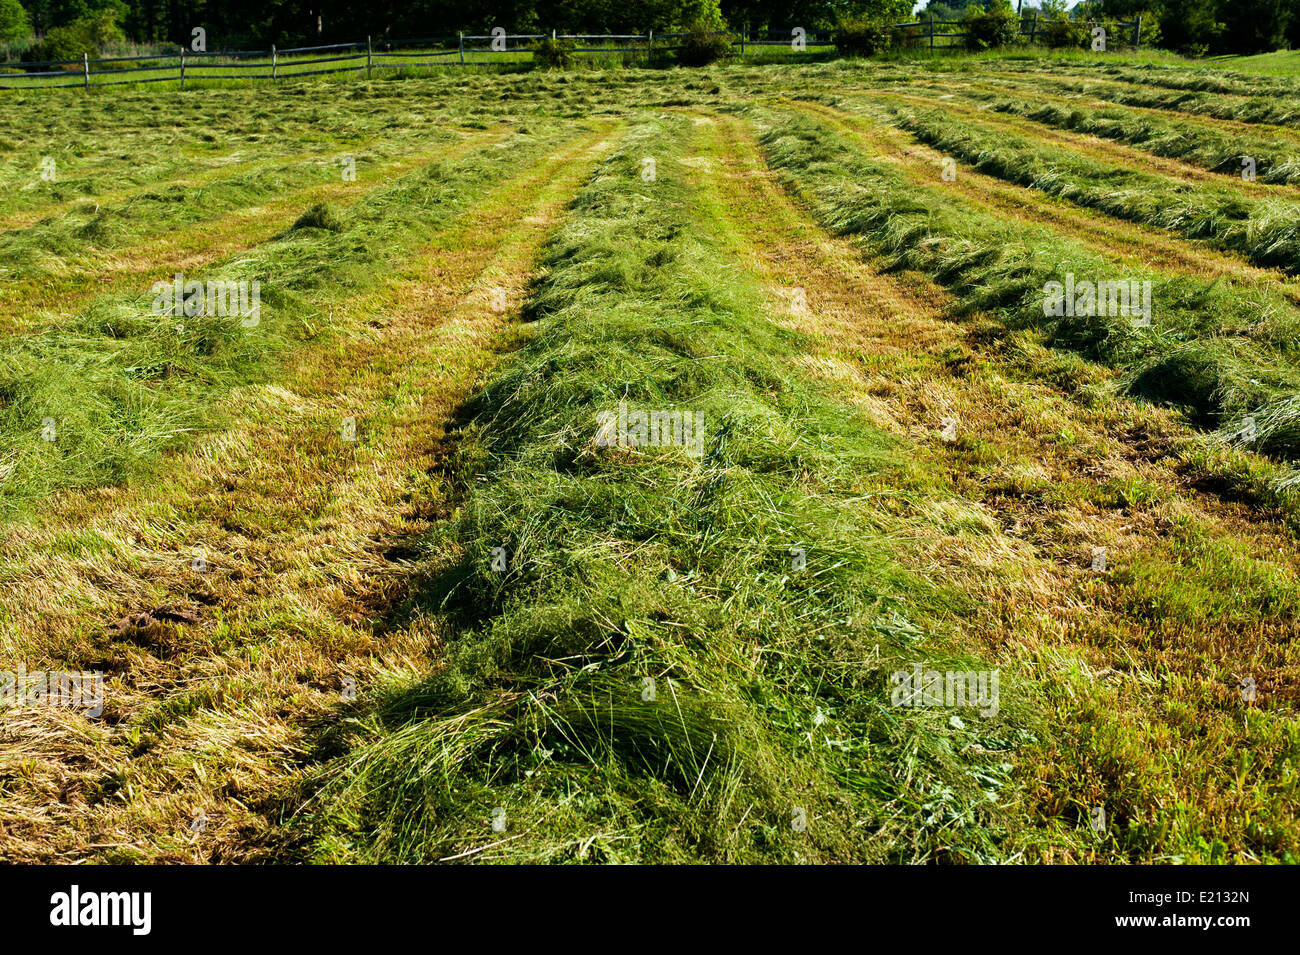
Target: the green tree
pixel 1186 26
pixel 702 14
pixel 812 14
pixel 994 25
pixel 942 11
pixel 15 25
pixel 89 35
pixel 1255 26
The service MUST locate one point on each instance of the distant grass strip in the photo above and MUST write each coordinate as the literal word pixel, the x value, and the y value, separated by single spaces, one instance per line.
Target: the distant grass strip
pixel 1275 161
pixel 1220 351
pixel 59 243
pixel 1194 78
pixel 643 672
pixel 1266 109
pixel 89 402
pixel 1264 231
pixel 108 145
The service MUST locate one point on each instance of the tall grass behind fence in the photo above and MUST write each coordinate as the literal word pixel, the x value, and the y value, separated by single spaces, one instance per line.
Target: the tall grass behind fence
pixel 450 52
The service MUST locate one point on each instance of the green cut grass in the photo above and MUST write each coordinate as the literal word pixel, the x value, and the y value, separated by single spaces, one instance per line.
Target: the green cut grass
pixel 1222 352
pixel 1264 231
pixel 1276 161
pixel 89 401
pixel 771 703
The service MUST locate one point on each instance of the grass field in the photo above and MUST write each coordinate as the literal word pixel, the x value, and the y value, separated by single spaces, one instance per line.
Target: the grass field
pixel 381 571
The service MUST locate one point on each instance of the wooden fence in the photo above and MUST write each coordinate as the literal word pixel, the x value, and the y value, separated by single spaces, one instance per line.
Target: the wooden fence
pixel 926 32
pixel 462 50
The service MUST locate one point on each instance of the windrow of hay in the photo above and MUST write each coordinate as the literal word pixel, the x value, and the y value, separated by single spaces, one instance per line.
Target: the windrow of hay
pixel 90 401
pixel 1264 231
pixel 1219 351
pixel 655 654
pixel 1271 160
pixel 1269 109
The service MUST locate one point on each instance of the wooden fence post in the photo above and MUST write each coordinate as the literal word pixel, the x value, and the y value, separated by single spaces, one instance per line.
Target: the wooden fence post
pixel 650 48
pixel 273 63
pixel 182 67
pixel 932 33
pixel 85 65
pixel 462 47
pixel 1137 32
pixel 1033 31
pixel 367 56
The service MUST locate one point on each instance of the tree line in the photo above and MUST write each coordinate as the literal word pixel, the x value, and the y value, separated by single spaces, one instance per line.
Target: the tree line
pixel 235 24
pixel 52 27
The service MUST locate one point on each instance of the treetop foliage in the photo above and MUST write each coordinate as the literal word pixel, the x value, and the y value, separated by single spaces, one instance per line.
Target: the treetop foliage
pixel 75 26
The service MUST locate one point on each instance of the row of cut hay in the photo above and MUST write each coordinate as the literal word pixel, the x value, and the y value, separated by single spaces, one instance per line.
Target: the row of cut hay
pixel 60 243
pixel 1266 109
pixel 90 400
pixel 643 672
pixel 1275 161
pixel 1264 231
pixel 1197 79
pixel 1223 352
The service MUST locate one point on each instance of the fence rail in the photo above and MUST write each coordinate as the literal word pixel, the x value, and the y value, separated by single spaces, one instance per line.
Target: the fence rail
pixel 459 51
pixel 1029 27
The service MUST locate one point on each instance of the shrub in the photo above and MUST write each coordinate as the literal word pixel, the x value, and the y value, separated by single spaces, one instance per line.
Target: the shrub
pixel 861 38
pixel 702 46
pixel 15 25
pixel 995 26
pixel 100 30
pixel 61 43
pixel 1151 36
pixel 1118 36
pixel 551 53
pixel 89 35
pixel 1063 33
